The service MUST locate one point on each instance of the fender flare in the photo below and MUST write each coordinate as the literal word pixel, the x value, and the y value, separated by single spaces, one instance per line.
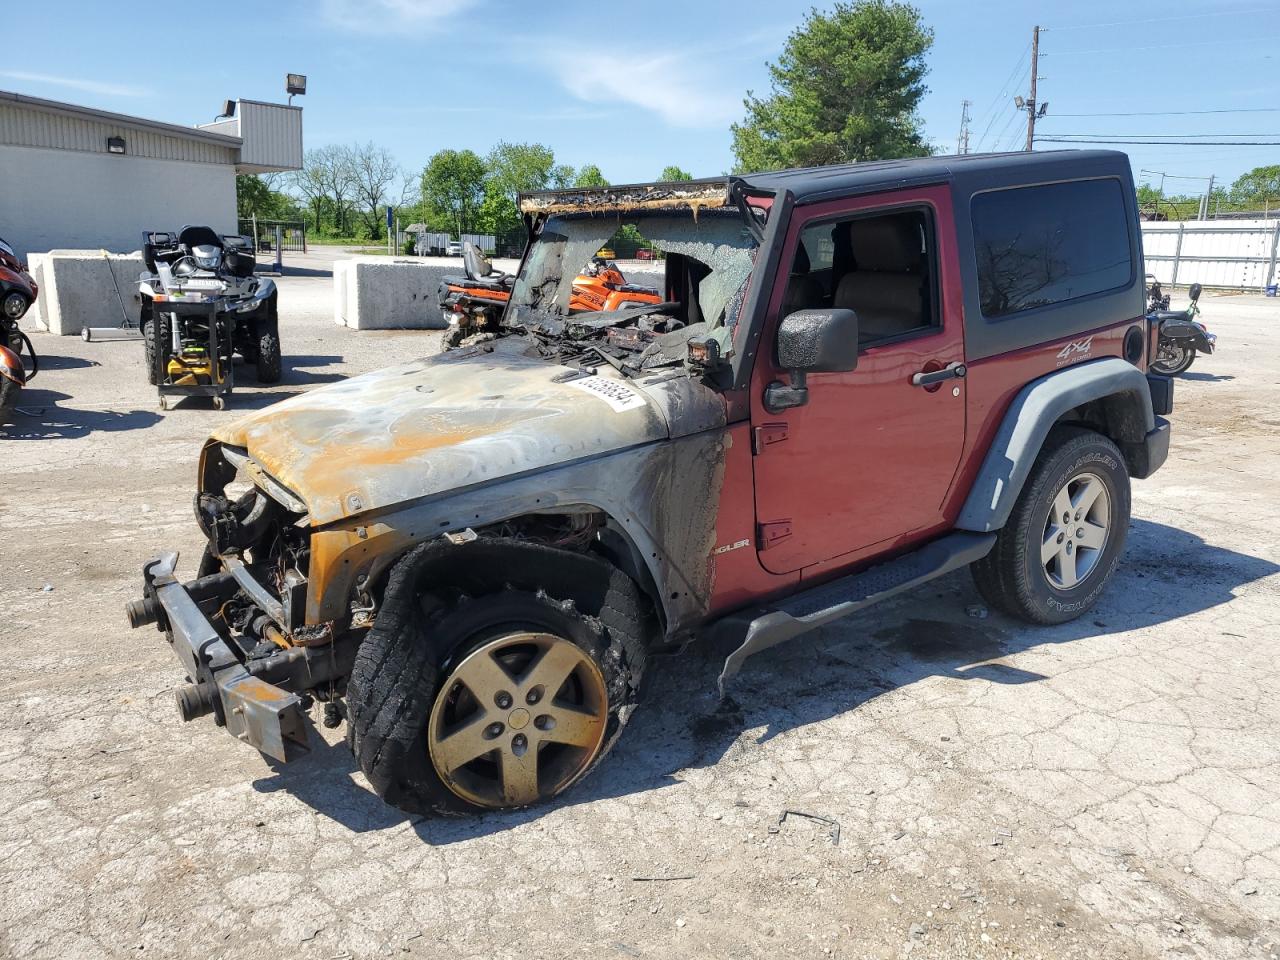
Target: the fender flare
pixel 1033 412
pixel 11 367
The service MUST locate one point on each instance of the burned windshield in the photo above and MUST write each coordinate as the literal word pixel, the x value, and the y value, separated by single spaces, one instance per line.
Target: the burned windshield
pixel 691 269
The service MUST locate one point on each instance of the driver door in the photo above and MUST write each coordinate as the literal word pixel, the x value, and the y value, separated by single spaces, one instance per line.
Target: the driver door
pixel 865 465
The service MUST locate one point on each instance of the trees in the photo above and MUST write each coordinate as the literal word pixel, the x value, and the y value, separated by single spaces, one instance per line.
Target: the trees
pixel 671 174
pixel 453 187
pixel 373 171
pixel 589 175
pixel 256 196
pixel 1258 188
pixel 845 89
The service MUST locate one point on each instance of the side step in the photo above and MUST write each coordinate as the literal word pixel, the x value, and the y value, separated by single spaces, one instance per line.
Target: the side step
pixel 839 598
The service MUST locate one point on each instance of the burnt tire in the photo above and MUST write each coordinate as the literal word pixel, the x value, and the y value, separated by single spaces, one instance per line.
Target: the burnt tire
pixel 421 637
pixel 1015 577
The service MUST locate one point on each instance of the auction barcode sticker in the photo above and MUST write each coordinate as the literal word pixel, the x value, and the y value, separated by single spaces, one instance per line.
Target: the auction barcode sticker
pixel 613 392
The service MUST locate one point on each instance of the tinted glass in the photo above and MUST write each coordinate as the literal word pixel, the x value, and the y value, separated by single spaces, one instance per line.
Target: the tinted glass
pixel 1041 245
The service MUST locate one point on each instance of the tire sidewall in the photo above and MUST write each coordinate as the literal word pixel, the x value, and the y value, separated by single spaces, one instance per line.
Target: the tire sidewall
pixel 403 772
pixel 1090 454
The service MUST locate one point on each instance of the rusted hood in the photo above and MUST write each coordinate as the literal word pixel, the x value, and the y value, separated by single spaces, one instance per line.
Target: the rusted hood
pixel 450 422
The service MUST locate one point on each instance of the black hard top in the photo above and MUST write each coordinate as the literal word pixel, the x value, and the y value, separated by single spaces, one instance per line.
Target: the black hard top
pixel 810 184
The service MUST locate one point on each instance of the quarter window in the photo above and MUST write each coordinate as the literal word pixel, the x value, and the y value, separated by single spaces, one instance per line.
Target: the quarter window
pixel 1047 244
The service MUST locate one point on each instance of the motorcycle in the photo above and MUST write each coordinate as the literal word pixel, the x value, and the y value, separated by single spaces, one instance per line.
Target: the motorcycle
pixel 1181 336
pixel 201 305
pixel 18 291
pixel 473 304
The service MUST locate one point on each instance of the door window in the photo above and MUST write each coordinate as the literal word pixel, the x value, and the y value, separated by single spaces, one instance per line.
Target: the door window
pixel 881 267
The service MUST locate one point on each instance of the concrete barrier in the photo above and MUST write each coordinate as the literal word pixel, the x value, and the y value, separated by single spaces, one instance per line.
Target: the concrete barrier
pixel 84 288
pixel 377 293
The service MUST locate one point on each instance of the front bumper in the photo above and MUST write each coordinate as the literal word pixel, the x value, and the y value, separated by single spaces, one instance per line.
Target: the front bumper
pixel 255 698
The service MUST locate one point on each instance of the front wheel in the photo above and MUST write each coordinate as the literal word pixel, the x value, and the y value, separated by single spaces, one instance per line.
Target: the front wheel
pixel 14 305
pixel 1173 357
pixel 1064 537
pixel 494 702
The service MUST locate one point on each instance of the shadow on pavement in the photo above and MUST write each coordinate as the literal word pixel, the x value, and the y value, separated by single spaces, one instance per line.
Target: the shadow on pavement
pixel 38 416
pixel 1206 377
pixel 1167 573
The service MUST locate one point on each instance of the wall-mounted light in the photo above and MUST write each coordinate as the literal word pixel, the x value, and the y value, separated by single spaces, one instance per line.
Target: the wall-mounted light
pixel 115 144
pixel 295 83
pixel 228 109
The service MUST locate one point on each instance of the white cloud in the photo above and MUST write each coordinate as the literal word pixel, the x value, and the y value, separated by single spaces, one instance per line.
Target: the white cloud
pixel 390 16
pixel 680 91
pixel 72 83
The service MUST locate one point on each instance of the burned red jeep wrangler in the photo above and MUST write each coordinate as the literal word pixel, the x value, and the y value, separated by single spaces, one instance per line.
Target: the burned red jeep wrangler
pixel 859 379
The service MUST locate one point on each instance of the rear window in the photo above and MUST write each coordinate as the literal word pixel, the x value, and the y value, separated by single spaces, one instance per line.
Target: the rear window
pixel 1048 244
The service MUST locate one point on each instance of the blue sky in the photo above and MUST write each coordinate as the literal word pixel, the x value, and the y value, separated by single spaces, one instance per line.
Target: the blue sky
pixel 635 87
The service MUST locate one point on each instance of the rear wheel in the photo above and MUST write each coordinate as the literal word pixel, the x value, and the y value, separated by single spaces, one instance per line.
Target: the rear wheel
pixel 156 339
pixel 1064 537
pixel 267 362
pixel 1173 358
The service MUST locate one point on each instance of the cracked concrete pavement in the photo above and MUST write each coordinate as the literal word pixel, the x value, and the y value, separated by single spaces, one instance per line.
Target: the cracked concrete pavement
pixel 1105 788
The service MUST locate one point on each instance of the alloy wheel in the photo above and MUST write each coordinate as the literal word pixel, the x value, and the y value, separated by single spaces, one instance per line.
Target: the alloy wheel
pixel 518 719
pixel 1076 531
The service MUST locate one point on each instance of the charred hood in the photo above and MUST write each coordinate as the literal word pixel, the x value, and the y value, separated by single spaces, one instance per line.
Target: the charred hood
pixel 459 420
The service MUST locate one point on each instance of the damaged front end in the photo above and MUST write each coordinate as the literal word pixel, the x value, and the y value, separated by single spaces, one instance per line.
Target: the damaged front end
pixel 239 628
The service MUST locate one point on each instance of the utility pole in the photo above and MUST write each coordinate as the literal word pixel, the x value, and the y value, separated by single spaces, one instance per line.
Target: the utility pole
pixel 1204 204
pixel 1031 101
pixel 962 144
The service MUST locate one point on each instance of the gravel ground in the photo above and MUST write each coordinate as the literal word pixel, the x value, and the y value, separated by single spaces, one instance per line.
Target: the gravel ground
pixel 1105 788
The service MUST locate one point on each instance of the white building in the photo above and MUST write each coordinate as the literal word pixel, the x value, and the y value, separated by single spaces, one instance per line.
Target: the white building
pixel 76 178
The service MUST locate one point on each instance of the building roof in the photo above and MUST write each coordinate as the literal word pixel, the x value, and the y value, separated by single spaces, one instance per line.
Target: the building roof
pixel 119 119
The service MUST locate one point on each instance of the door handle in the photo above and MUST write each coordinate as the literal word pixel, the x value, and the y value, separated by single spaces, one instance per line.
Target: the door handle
pixel 952 371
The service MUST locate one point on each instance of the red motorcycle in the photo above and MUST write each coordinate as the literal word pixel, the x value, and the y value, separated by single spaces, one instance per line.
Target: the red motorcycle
pixel 17 292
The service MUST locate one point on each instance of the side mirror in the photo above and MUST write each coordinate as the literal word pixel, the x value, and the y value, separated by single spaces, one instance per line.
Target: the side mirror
pixel 1194 292
pixel 812 341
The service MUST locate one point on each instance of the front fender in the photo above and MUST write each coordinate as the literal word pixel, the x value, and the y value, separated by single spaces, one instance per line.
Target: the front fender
pixel 661 497
pixel 1034 411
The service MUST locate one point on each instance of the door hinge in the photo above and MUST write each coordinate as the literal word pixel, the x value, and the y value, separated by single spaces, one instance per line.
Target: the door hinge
pixel 772 533
pixel 766 434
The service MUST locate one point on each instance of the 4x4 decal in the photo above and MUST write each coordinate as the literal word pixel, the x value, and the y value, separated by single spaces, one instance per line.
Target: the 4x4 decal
pixel 1075 350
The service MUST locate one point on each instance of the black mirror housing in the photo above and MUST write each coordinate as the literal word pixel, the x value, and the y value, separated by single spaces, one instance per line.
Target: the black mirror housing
pixel 1194 292
pixel 818 341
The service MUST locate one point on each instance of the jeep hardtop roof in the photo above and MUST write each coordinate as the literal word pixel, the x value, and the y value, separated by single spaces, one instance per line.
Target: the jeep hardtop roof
pixel 978 171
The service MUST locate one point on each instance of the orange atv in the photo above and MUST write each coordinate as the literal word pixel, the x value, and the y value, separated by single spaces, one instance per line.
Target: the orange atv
pixel 474 303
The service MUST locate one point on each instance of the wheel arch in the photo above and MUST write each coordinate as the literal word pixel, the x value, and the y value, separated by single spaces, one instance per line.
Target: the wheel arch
pixel 1109 395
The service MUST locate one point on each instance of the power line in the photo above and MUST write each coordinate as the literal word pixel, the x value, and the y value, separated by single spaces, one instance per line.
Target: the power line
pixel 1167 136
pixel 1168 143
pixel 991 110
pixel 1171 113
pixel 1190 16
pixel 1164 46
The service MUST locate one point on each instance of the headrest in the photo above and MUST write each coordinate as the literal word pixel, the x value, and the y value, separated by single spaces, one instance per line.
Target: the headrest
pixel 887 244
